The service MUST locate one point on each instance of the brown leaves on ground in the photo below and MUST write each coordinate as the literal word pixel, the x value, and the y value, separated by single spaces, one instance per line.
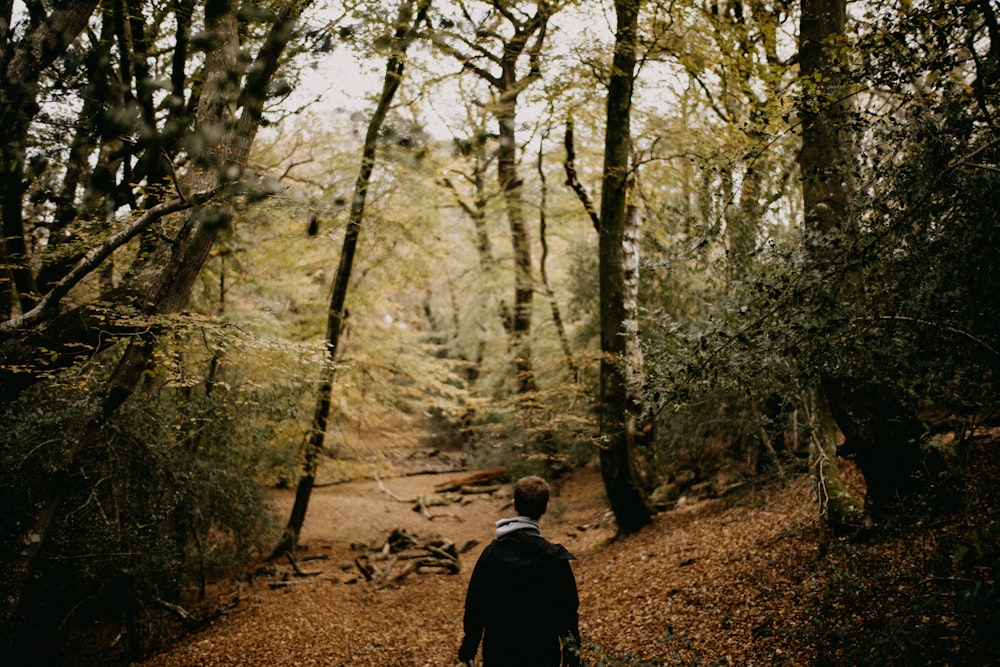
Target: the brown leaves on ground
pixel 718 581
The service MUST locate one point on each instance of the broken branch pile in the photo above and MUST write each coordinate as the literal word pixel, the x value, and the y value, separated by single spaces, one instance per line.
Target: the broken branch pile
pixel 404 553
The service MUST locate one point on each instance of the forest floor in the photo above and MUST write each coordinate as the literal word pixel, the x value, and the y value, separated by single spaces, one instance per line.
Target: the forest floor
pixel 743 580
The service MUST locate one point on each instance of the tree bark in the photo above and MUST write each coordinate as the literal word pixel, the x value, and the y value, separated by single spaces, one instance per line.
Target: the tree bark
pixel 512 187
pixel 620 407
pixel 827 188
pixel 23 64
pixel 406 29
pixel 557 319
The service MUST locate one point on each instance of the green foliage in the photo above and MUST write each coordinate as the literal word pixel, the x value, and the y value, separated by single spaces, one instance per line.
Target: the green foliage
pixel 903 306
pixel 168 499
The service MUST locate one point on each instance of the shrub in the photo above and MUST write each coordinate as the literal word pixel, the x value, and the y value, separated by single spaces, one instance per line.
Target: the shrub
pixel 167 499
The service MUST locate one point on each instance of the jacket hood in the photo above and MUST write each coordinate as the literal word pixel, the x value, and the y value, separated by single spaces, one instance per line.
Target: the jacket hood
pixel 521 535
pixel 512 525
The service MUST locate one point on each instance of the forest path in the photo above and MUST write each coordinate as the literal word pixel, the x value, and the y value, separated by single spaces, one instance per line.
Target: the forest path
pixel 367 511
pixel 699 582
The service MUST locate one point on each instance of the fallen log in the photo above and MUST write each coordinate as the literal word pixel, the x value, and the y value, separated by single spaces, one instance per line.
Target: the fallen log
pixel 190 621
pixel 471 490
pixel 479 478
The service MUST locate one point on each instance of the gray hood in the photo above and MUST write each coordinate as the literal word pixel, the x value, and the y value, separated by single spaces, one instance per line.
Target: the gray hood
pixel 508 526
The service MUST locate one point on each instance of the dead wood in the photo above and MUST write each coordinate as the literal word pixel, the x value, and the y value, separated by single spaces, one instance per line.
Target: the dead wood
pixel 404 553
pixel 471 490
pixel 367 570
pixel 389 493
pixel 479 478
pixel 299 572
pixel 190 621
pixel 423 502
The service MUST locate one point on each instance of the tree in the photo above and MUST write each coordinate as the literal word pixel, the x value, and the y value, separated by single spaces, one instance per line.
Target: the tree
pixel 620 402
pixel 407 25
pixel 825 161
pixel 215 135
pixel 24 59
pixel 501 69
pixel 478 157
pixel 931 102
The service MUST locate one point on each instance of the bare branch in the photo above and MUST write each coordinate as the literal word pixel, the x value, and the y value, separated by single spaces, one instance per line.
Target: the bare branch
pixel 573 180
pixel 467 60
pixel 96 256
pixel 465 206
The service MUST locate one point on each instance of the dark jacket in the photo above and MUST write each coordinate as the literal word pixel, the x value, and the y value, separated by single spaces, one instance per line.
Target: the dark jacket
pixel 522 603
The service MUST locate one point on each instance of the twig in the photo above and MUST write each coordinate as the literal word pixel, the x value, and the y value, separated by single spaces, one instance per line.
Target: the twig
pixel 299 572
pixel 389 493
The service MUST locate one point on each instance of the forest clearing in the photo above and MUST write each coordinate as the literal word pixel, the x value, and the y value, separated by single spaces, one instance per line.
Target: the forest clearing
pixel 740 580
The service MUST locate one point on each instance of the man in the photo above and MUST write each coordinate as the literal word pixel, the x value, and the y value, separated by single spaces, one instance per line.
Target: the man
pixel 522 600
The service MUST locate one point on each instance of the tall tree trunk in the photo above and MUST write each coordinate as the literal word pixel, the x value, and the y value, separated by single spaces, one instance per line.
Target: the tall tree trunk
pixel 524 288
pixel 171 284
pixel 619 407
pixel 507 85
pixel 827 188
pixel 406 28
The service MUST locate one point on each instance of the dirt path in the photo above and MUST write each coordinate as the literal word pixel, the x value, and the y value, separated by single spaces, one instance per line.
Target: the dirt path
pixel 365 512
pixel 323 621
pixel 695 586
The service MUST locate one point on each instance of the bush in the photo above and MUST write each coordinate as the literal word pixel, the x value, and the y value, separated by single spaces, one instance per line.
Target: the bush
pixel 168 499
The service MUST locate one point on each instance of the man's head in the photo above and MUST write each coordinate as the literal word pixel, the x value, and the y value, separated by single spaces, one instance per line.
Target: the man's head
pixel 531 497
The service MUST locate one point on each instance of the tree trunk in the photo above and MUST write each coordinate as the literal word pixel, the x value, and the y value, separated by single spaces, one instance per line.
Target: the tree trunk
pixel 839 510
pixel 524 289
pixel 23 63
pixel 619 407
pixel 406 27
pixel 557 319
pixel 507 85
pixel 827 188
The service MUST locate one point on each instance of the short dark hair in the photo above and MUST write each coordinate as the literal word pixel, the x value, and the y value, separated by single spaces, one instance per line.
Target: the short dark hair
pixel 531 496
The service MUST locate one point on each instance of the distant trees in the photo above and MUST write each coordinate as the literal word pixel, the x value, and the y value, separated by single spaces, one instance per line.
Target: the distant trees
pixel 495 52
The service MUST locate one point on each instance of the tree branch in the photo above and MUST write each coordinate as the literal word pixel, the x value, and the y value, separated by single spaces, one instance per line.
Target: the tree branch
pixel 465 206
pixel 96 256
pixel 466 60
pixel 573 180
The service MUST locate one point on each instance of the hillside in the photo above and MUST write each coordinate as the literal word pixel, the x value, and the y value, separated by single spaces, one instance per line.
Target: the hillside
pixel 741 580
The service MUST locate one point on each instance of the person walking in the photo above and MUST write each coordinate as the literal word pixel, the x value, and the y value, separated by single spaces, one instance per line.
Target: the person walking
pixel 522 602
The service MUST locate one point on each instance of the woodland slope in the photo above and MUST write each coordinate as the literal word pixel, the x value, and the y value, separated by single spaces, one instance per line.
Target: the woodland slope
pixel 742 580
